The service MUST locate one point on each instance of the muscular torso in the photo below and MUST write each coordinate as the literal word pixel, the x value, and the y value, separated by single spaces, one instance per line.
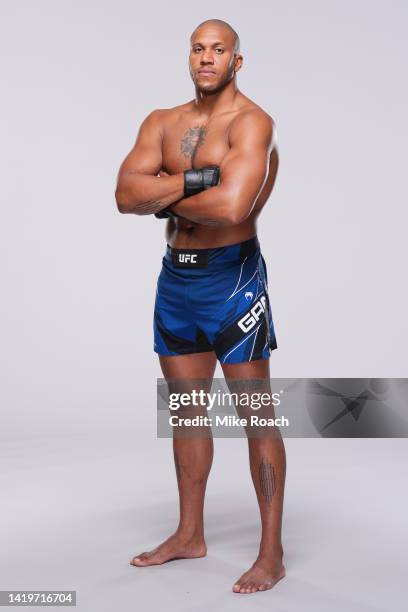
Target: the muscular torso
pixel 194 141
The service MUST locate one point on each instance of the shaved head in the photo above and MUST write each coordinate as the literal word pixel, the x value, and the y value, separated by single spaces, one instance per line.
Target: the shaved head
pixel 223 24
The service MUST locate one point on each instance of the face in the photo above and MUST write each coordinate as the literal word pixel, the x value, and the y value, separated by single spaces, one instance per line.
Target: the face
pixel 212 61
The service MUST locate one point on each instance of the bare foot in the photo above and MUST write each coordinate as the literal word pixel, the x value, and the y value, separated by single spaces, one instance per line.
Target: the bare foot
pixel 175 547
pixel 260 577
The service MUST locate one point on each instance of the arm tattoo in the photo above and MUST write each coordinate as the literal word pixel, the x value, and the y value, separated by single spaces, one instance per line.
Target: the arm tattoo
pixel 267 480
pixel 149 208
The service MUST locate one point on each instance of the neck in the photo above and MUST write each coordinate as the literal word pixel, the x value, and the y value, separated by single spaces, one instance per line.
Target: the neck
pixel 214 103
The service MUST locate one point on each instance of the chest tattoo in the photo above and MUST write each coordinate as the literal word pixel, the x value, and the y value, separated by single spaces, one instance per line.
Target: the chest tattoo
pixel 192 139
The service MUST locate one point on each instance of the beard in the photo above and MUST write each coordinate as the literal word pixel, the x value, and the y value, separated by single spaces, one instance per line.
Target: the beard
pixel 209 90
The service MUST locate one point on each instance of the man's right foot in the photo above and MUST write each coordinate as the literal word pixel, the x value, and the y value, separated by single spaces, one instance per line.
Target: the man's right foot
pixel 175 547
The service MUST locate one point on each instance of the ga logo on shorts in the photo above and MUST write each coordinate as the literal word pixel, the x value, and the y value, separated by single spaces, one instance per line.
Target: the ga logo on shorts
pixel 252 317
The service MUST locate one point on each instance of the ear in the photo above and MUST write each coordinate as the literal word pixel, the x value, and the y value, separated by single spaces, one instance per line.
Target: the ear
pixel 238 62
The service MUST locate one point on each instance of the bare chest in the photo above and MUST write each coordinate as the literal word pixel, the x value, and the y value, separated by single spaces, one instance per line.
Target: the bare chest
pixel 189 143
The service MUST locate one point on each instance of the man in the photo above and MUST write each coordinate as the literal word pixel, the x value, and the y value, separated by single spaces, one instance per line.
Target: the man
pixel 209 166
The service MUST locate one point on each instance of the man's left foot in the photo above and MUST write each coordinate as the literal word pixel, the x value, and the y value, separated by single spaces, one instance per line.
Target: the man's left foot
pixel 260 577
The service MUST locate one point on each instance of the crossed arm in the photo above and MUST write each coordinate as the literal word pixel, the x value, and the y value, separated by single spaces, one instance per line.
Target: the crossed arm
pixel 139 190
pixel 243 172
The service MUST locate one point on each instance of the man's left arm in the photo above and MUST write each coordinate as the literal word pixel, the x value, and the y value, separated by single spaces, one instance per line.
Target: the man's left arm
pixel 243 172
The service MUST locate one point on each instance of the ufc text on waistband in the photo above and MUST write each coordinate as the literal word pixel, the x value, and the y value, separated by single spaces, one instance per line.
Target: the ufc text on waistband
pixel 189 258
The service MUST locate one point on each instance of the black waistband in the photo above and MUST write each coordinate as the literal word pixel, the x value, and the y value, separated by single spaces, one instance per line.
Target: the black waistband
pixel 201 258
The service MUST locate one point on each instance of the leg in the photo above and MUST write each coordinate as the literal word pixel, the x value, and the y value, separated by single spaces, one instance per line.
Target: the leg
pixel 268 471
pixel 193 458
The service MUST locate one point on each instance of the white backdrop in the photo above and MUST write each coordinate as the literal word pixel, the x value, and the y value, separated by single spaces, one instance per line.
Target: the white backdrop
pixel 78 279
pixel 85 483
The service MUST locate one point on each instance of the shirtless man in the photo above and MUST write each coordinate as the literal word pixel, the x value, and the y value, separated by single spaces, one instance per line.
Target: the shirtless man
pixel 212 254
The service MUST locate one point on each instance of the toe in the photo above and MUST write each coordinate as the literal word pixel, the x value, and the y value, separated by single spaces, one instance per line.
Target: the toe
pixel 139 559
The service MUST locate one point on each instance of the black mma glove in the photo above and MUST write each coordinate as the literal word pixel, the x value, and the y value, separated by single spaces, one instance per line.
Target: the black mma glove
pixel 165 214
pixel 194 182
pixel 199 180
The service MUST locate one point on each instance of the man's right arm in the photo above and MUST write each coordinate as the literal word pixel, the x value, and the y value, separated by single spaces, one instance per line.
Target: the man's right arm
pixel 139 190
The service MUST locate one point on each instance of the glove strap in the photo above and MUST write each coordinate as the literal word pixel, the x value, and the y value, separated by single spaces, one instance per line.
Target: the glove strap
pixel 193 182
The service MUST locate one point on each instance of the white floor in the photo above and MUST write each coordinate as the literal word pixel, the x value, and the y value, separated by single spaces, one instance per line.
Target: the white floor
pixel 75 509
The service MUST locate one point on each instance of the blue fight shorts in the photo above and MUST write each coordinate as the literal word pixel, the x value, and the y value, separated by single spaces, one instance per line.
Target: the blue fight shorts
pixel 214 300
